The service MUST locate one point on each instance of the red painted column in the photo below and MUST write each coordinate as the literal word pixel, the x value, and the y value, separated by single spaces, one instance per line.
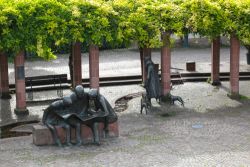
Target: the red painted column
pixel 4 77
pixel 20 84
pixel 94 66
pixel 215 67
pixel 1 71
pixel 77 64
pixel 141 59
pixel 146 52
pixel 234 66
pixel 1 89
pixel 166 64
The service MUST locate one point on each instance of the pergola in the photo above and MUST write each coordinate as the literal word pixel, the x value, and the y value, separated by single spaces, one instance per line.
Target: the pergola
pixel 21 107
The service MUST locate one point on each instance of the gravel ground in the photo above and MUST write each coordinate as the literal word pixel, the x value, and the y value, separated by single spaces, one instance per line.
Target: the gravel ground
pixel 211 130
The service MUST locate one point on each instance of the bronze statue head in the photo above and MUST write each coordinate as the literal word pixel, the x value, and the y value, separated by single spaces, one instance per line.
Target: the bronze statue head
pixel 93 93
pixel 79 91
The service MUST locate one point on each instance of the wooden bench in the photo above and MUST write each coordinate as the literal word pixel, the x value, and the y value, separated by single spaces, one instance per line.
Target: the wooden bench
pixel 55 80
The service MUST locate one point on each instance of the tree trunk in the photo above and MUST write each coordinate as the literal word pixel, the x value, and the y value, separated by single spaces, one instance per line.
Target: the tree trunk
pixel 77 64
pixel 248 54
pixel 71 65
pixel 234 65
pixel 94 66
pixel 215 59
pixel 185 41
pixel 20 84
pixel 4 77
pixel 166 64
pixel 141 58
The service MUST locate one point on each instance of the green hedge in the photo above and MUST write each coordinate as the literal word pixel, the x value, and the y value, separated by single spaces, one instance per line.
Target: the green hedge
pixel 41 25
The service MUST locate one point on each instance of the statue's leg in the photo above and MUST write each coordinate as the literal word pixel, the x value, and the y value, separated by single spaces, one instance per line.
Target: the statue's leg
pixel 78 134
pixel 159 100
pixel 171 99
pixel 182 102
pixel 149 102
pixel 106 128
pixel 95 132
pixel 68 133
pixel 54 134
pixel 148 105
pixel 141 105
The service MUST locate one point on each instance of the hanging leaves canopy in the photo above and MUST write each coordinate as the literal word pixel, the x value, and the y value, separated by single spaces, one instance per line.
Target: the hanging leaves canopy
pixel 37 25
pixel 206 18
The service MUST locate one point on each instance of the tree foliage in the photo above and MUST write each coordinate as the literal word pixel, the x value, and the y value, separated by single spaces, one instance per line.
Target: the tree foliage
pixel 37 25
pixel 213 18
pixel 244 22
pixel 205 17
pixel 152 18
pixel 33 25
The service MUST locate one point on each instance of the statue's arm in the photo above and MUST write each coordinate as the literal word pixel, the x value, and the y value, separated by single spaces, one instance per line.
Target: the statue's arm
pixel 103 103
pixel 91 111
pixel 45 114
pixel 148 73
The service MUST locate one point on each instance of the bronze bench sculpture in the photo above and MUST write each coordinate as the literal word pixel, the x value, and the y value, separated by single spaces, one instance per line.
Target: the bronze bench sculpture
pixel 79 108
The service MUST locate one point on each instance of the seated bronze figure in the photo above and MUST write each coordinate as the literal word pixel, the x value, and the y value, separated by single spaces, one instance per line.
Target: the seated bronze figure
pixel 79 108
pixel 104 112
pixel 152 83
pixel 153 87
pixel 52 117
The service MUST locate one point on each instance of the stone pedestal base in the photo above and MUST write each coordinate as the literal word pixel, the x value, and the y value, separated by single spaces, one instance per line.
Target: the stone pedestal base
pixel 216 83
pixel 42 135
pixel 235 96
pixel 21 111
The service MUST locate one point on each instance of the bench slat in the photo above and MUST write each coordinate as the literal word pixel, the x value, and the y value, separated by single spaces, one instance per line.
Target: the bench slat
pixel 47 77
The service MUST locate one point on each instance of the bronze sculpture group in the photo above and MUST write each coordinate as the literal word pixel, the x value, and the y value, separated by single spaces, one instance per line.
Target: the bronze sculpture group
pixel 91 108
pixel 88 108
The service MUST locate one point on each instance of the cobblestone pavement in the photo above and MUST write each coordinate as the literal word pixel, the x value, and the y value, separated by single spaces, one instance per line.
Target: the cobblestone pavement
pixel 211 130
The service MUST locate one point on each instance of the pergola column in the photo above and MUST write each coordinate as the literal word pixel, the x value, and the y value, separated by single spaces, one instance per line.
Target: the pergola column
pixel 234 66
pixel 146 53
pixel 141 60
pixel 4 77
pixel 20 84
pixel 77 64
pixel 166 64
pixel 94 66
pixel 215 67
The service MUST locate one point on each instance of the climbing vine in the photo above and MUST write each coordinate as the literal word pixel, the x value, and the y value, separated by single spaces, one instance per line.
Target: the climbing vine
pixel 37 25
